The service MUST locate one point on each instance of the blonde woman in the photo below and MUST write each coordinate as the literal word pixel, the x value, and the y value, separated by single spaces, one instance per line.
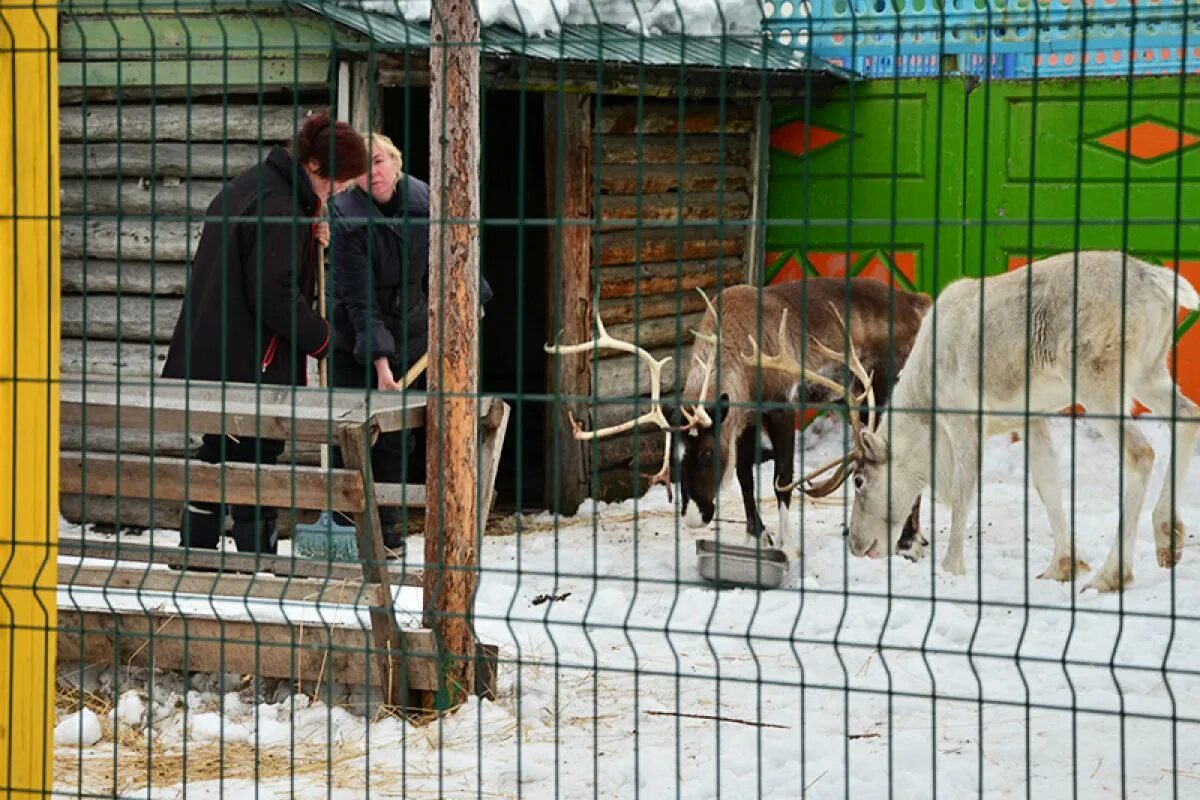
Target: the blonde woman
pixel 380 303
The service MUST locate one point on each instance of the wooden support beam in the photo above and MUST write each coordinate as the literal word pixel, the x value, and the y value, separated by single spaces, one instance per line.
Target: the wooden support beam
pixel 267 649
pixel 229 563
pixel 346 590
pixel 452 518
pixel 366 111
pixel 394 683
pixel 299 652
pixel 569 190
pixel 168 478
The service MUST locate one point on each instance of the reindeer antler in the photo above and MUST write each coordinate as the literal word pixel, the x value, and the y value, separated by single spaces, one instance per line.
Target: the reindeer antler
pixel 844 465
pixel 654 416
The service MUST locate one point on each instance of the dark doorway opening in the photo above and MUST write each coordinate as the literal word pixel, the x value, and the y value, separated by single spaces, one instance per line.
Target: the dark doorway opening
pixel 513 260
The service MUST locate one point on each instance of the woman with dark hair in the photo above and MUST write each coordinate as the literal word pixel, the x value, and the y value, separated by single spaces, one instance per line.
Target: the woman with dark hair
pixel 248 313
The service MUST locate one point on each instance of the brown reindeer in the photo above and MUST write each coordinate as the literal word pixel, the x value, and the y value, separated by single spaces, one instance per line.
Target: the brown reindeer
pixel 800 319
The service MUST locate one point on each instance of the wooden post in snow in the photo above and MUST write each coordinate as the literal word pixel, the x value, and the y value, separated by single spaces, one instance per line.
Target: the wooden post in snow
pixel 451 515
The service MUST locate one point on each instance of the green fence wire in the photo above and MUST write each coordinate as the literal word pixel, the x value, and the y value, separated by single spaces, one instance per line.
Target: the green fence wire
pixel 799 356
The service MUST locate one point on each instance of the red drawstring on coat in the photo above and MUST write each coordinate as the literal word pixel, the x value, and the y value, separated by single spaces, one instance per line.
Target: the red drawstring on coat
pixel 273 345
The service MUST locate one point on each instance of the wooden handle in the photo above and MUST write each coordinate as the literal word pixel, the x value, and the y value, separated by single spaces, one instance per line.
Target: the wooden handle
pixel 323 364
pixel 415 371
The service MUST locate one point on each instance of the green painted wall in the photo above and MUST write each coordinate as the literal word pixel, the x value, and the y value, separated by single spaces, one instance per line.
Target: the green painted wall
pixel 923 181
pixel 968 180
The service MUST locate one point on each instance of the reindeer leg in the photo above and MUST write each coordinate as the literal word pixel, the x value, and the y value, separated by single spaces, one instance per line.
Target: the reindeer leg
pixel 1168 525
pixel 1043 466
pixel 1117 571
pixel 781 428
pixel 746 458
pixel 962 483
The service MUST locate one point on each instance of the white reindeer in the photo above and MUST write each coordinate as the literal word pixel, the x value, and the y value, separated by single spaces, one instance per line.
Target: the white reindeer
pixel 1101 322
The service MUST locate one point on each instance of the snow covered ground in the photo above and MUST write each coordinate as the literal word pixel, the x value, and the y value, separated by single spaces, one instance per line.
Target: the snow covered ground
pixel 641 680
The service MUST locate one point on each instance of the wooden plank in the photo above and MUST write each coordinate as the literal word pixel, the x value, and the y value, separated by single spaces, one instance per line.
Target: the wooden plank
pixel 211 122
pixel 616 375
pixel 133 240
pixel 164 159
pixel 94 439
pixel 655 333
pixel 114 513
pixel 664 117
pixel 729 207
pixel 140 196
pixel 129 277
pixel 128 359
pixel 620 310
pixel 669 278
pixel 165 37
pixel 366 110
pixel 643 454
pixel 287 567
pixel 634 179
pixel 150 578
pixel 633 247
pixel 249 73
pixel 617 483
pixel 493 428
pixel 134 318
pixel 668 149
pixel 271 415
pixel 90 439
pixel 760 167
pixel 167 478
pixel 569 291
pixel 348 405
pixel 267 649
pixel 385 629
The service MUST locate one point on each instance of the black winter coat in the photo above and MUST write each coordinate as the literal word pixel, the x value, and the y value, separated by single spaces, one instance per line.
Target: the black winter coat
pixel 383 310
pixel 248 313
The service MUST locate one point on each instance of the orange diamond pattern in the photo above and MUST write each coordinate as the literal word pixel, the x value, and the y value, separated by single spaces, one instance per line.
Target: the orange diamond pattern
pixel 798 138
pixel 1148 140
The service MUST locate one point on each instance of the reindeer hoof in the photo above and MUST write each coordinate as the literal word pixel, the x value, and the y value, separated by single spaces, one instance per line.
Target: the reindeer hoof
pixel 1110 581
pixel 1169 557
pixel 1063 571
pixel 1169 539
pixel 955 566
pixel 915 551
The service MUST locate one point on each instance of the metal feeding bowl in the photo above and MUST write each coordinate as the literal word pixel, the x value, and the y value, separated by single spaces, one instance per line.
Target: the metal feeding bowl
pixel 734 565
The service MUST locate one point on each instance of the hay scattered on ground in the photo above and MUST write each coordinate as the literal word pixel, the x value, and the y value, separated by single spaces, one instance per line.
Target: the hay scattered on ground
pixel 137 764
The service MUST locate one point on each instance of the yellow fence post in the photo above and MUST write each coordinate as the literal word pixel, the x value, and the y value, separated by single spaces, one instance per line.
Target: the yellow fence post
pixel 29 369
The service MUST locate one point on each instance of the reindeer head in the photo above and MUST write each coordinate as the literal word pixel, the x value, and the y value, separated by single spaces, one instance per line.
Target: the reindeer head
pixel 702 466
pixel 877 518
pixel 871 532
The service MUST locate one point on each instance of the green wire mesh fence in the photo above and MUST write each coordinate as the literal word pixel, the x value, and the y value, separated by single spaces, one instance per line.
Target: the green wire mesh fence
pixel 617 399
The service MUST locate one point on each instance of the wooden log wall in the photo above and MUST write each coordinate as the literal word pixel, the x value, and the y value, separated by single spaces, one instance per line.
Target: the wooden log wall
pixel 676 183
pixel 159 104
pixel 130 223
